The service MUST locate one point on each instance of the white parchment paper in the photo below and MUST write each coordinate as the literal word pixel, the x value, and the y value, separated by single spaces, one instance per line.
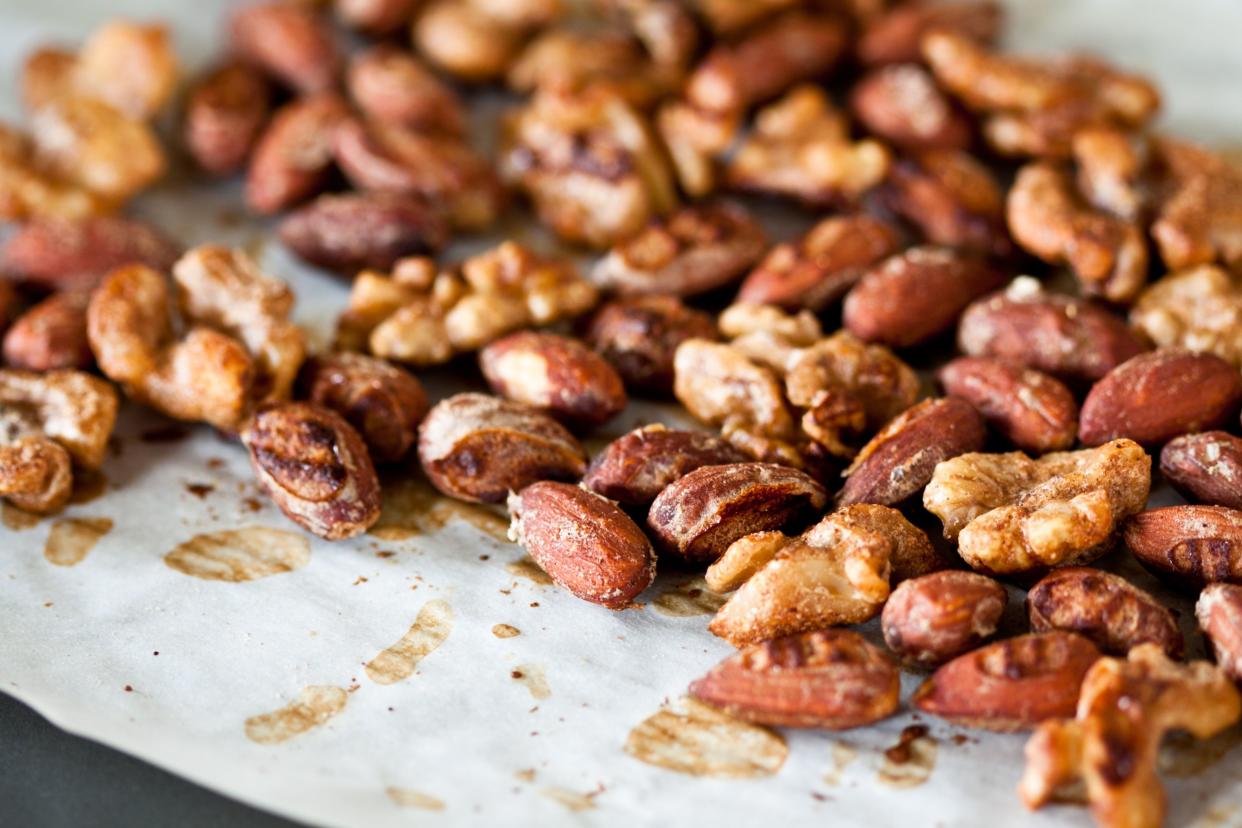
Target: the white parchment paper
pixel 527 729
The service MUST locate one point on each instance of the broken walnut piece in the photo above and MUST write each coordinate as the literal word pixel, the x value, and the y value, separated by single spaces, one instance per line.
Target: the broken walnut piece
pixel 1199 309
pixel 1199 215
pixel 28 190
pixel 75 409
pixel 1124 710
pixel 35 473
pixel 720 386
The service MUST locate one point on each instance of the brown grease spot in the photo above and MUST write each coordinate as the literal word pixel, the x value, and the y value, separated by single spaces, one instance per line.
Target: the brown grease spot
pixel 237 555
pixel 909 763
pixel 18 519
pixel 88 485
pixel 505 631
pixel 525 775
pixel 534 678
pixel 1183 755
pixel 313 706
pixel 200 490
pixel 705 742
pixel 575 802
pixel 410 798
pixel 687 599
pixel 413 507
pixel 525 567
pixel 430 629
pixel 842 753
pixel 171 433
pixel 71 539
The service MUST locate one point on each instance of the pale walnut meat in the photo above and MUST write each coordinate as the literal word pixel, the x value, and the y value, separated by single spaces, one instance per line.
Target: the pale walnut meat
pixel 666 29
pixel 73 408
pixel 952 199
pixel 35 473
pixel 576 61
pixel 382 402
pixel 821 266
pixel 28 190
pixel 902 105
pixel 1112 164
pixel 722 387
pixel 392 86
pixel 1125 707
pixel 589 163
pixel 768 334
pixel 465 41
pixel 130 66
pixel 639 338
pixel 694 138
pixel 695 250
pixel 895 36
pixel 1199 309
pixel 1011 514
pixel 47 73
pixel 1199 216
pixel 800 148
pixel 1049 219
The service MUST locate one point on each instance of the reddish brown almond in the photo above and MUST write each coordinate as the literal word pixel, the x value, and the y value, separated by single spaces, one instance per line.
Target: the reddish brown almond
pixel 953 198
pixel 1205 467
pixel 1157 396
pixel 1219 612
pixel 383 402
pixel 636 467
pixel 830 679
pixel 1105 608
pixel 75 254
pixel 584 542
pixel 819 268
pixel 224 114
pixel 555 374
pixel 1192 545
pixel 932 618
pixel 898 462
pixel 911 297
pixel 376 17
pixel 903 105
pixel 895 36
pixel 293 156
pixel 699 515
pixel 480 448
pixel 1068 338
pixel 51 335
pixel 289 41
pixel 391 85
pixel 363 231
pixel 639 337
pixel 1010 685
pixel 1036 412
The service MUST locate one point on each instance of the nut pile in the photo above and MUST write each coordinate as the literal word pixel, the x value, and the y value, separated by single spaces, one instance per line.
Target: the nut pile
pixel 1088 271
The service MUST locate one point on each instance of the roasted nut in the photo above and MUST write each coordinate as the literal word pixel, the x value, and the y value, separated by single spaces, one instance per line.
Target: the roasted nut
pixel 75 409
pixel 1011 514
pixel 291 42
pixel 1124 710
pixel 75 254
pixel 639 337
pixel 1049 220
pixel 1219 612
pixel 1191 545
pixel 1199 219
pixel 464 40
pixel 555 374
pixel 933 618
pixel 637 466
pixel 952 198
pixel 1010 685
pixel 699 515
pixel 1034 411
pixel 895 36
pixel 1157 396
pixel 589 164
pixel 830 679
pixel 819 268
pixel 584 542
pixel 800 148
pixel 356 231
pixel 35 473
pixel 1198 309
pixel 27 190
pixel 729 17
pixel 574 60
pixel 912 296
pixel 10 303
pixel 910 554
pixel 1062 336
pixel 1206 467
pixel 376 17
pixel 694 139
pixel 1113 613
pixel 224 115
pixel 293 157
pixel 48 73
pixel 50 335
pixel 902 104
pixel 768 334
pixel 898 462
pixel 666 29
pixel 391 86
pixel 480 448
pixel 315 467
pixel 382 402
pixel 129 66
pixel 720 386
pixel 695 250
pixel 1112 164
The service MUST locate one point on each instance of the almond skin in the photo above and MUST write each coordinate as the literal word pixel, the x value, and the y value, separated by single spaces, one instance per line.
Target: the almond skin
pixel 911 297
pixel 899 461
pixel 699 515
pixel 639 338
pixel 830 679
pixel 51 335
pixel 224 114
pixel 76 254
pixel 1157 396
pixel 1036 412
pixel 363 231
pixel 1105 608
pixel 293 157
pixel 1206 467
pixel 555 374
pixel 637 466
pixel 1010 685
pixel 584 542
pixel 1191 545
pixel 933 618
pixel 289 41
pixel 1219 612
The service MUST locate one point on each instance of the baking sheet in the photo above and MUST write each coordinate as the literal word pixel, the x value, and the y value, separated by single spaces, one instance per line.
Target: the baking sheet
pixel 380 681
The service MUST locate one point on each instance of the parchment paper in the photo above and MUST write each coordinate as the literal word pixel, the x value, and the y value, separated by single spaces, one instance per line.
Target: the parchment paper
pixel 120 642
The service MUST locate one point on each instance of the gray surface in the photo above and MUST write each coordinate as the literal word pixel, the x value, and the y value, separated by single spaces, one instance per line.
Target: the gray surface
pixel 51 778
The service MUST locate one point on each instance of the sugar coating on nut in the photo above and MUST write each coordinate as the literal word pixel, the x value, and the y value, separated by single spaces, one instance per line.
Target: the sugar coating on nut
pixel 1106 608
pixel 1198 309
pixel 74 408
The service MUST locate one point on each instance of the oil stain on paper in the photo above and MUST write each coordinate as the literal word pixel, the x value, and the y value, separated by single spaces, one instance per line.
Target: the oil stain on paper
pixel 237 555
pixel 412 507
pixel 70 540
pixel 430 629
pixel 313 706
pixel 536 681
pixel 703 741
pixel 410 798
pixel 525 567
pixel 910 762
pixel 687 599
pixel 572 800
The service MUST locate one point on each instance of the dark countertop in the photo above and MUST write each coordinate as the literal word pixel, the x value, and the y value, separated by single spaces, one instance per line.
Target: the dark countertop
pixel 50 778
